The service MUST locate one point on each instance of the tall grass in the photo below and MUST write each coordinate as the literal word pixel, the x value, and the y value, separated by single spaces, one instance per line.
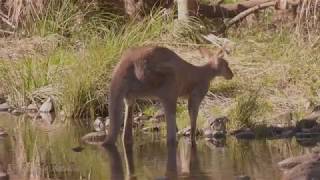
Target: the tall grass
pixel 247 107
pixel 78 80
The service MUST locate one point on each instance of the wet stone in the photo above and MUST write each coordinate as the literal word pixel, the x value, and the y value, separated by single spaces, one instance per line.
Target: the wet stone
pixel 94 137
pixel 219 124
pixel 243 134
pixel 306 170
pixel 291 162
pixel 3 133
pixel 242 177
pixel 17 112
pixel 4 107
pixel 305 124
pixel 218 135
pixel 32 108
pixel 47 106
pixel 216 142
pixel 207 133
pixel 151 129
pixel 187 132
pixel 99 124
pixel 307 135
pixel 142 117
pixel 4 176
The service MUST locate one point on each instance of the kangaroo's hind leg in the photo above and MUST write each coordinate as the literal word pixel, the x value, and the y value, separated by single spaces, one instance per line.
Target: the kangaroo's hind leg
pixel 127 133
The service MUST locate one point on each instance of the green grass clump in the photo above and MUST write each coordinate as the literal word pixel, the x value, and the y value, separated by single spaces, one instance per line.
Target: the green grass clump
pixel 247 107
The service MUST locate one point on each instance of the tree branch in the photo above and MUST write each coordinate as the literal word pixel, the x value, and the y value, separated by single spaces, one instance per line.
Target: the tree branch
pixel 228 10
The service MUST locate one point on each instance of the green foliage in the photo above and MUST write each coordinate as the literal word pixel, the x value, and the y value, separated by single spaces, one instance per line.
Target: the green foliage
pixel 78 78
pixel 247 107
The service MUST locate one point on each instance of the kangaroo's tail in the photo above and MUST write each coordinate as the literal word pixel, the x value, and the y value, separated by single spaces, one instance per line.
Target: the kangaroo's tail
pixel 115 108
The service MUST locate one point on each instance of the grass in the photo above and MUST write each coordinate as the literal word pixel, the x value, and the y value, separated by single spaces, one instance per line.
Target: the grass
pixel 78 79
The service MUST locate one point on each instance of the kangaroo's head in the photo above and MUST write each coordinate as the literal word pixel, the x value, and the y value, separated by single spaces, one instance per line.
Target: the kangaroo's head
pixel 217 63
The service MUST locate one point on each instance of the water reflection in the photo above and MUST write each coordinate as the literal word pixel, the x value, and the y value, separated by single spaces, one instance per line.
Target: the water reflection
pixel 51 152
pixel 116 169
pixel 182 162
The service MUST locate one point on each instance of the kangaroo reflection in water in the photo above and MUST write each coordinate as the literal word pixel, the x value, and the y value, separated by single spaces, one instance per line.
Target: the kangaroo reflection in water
pixel 181 164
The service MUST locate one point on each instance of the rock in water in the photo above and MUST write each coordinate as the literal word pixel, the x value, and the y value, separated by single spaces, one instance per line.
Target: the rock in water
pixel 99 124
pixel 94 137
pixel 4 176
pixel 3 132
pixel 47 106
pixel 244 133
pixel 4 107
pixel 291 162
pixel 32 108
pixel 242 177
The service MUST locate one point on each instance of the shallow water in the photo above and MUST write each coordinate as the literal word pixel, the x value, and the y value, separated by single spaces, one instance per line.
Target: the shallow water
pixel 36 149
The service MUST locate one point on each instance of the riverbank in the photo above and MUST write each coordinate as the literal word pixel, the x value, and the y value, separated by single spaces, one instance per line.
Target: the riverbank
pixel 276 70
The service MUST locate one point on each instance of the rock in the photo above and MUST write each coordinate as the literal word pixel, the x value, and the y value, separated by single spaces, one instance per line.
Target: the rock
pixel 187 132
pixel 4 107
pixel 291 162
pixel 47 106
pixel 3 132
pixel 4 176
pixel 307 135
pixel 141 117
pixel 207 133
pixel 311 142
pixel 17 112
pixel 216 142
pixel 94 137
pixel 309 170
pixel 245 133
pixel 274 132
pixel 287 133
pixel 218 134
pixel 306 124
pixel 32 108
pixel 242 177
pixel 219 124
pixel 99 124
pixel 151 129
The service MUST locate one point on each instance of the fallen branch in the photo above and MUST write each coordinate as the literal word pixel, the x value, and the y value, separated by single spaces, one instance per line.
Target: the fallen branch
pixel 5 19
pixel 248 12
pixel 6 32
pixel 228 10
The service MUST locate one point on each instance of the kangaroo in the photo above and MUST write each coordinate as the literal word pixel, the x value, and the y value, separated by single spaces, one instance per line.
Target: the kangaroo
pixel 159 73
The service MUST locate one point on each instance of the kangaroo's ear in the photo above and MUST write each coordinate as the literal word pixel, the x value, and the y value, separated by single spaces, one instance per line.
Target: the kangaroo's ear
pixel 205 52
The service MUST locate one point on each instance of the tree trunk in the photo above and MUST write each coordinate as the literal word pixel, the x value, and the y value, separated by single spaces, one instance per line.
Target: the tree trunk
pixel 133 8
pixel 186 8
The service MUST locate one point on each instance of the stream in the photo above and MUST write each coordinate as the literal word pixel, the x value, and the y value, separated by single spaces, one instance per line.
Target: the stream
pixel 38 149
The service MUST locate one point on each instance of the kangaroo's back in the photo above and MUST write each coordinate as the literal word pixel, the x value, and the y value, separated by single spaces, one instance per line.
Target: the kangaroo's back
pixel 150 62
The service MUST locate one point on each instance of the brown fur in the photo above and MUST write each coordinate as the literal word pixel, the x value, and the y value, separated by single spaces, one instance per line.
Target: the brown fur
pixel 157 72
